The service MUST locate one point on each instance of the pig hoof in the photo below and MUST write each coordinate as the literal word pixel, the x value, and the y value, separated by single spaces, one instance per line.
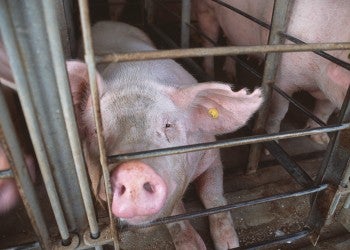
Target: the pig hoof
pixel 187 239
pixel 322 138
pixel 223 232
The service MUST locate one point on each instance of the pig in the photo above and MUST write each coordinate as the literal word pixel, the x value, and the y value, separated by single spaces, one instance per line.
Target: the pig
pixel 156 104
pixel 311 21
pixel 9 194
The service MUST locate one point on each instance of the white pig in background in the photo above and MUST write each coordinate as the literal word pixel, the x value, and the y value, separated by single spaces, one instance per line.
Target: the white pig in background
pixel 157 104
pixel 311 21
pixel 8 190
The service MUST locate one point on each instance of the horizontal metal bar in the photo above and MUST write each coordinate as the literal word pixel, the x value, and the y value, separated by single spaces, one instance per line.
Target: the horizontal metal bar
pixel 27 246
pixel 218 51
pixel 242 13
pixel 289 164
pixel 290 238
pixel 4 174
pixel 224 143
pixel 320 53
pixel 206 212
pixel 299 106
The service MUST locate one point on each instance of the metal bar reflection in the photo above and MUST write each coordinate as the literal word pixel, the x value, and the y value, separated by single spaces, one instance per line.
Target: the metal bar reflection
pixel 4 174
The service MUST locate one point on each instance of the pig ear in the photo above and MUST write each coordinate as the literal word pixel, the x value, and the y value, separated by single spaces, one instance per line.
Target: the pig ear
pixel 80 88
pixel 215 108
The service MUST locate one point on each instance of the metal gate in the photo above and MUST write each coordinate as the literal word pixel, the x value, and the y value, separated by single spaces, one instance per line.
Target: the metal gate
pixel 32 37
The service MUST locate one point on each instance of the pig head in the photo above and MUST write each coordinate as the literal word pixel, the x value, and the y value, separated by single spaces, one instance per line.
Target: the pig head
pixel 156 104
pixel 311 21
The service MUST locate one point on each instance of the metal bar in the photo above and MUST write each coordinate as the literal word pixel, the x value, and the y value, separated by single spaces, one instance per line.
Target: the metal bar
pixel 299 106
pixel 336 163
pixel 89 59
pixel 12 149
pixel 225 208
pixel 289 164
pixel 290 238
pixel 320 53
pixel 284 34
pixel 242 13
pixel 218 51
pixel 4 174
pixel 197 71
pixel 279 22
pixel 185 18
pixel 68 112
pixel 22 81
pixel 224 143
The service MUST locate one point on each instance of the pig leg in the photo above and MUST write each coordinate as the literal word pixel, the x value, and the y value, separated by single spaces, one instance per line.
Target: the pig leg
pixel 230 68
pixel 210 27
pixel 210 190
pixel 323 110
pixel 183 234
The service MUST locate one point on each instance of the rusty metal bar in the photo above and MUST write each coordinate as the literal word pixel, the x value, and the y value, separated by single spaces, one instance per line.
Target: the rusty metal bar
pixel 218 51
pixel 225 208
pixel 335 165
pixel 225 143
pixel 68 112
pixel 185 18
pixel 279 22
pixel 90 61
pixel 22 80
pixel 12 149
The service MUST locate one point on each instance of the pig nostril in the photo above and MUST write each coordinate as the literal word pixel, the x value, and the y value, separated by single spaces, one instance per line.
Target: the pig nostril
pixel 148 187
pixel 122 190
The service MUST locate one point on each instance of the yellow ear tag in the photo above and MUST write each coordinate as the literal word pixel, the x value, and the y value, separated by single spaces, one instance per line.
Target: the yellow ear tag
pixel 213 112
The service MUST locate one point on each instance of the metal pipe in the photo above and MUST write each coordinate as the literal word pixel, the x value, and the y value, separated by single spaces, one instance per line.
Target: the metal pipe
pixel 68 112
pixel 279 22
pixel 323 54
pixel 289 164
pixel 12 149
pixel 21 79
pixel 5 174
pixel 284 34
pixel 218 51
pixel 89 59
pixel 224 143
pixel 225 208
pixel 185 18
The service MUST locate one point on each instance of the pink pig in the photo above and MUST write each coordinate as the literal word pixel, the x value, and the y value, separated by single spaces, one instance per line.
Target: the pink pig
pixel 157 104
pixel 312 21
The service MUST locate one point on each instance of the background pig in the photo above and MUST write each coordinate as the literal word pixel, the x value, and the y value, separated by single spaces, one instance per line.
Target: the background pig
pixel 8 190
pixel 157 104
pixel 311 21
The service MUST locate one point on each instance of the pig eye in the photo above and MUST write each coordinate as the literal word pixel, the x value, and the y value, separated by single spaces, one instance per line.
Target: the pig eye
pixel 168 131
pixel 168 125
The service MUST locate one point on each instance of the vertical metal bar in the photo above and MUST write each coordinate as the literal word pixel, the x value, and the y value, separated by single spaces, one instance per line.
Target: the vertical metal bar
pixel 90 61
pixel 68 112
pixel 22 80
pixel 21 175
pixel 279 22
pixel 149 8
pixel 185 19
pixel 335 167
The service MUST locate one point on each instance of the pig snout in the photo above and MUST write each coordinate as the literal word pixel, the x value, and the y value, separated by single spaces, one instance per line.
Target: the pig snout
pixel 138 191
